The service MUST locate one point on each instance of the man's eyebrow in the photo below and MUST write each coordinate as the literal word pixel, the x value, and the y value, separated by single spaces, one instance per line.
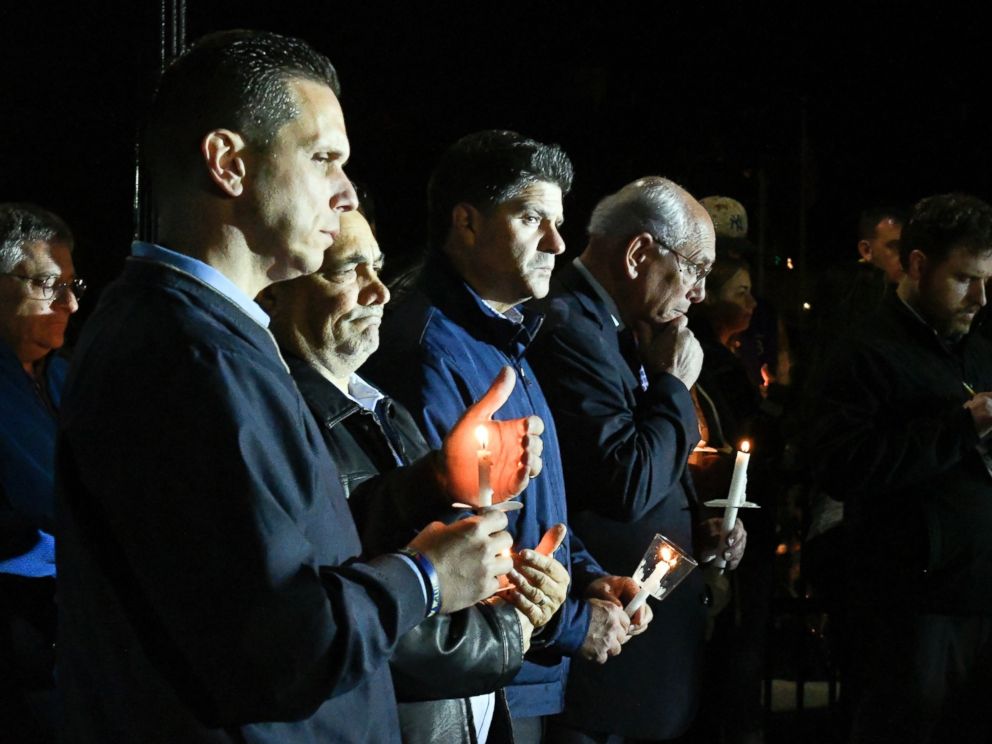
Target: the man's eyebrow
pixel 317 145
pixel 354 259
pixel 543 213
pixel 350 259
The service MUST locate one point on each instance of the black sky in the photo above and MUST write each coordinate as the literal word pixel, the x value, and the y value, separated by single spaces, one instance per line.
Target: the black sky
pixel 893 101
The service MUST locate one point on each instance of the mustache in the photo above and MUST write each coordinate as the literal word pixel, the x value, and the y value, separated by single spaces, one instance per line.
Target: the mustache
pixel 364 313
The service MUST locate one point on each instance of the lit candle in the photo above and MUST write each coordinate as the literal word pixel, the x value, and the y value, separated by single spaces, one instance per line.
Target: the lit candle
pixel 735 498
pixel 667 559
pixel 485 465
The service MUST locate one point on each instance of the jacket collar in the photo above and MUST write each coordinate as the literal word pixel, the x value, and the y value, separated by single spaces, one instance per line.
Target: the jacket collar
pixel 328 404
pixel 914 324
pixel 456 299
pixel 575 281
pixel 599 291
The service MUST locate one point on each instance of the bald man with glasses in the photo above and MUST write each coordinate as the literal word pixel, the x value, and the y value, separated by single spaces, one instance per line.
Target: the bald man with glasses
pixel 617 362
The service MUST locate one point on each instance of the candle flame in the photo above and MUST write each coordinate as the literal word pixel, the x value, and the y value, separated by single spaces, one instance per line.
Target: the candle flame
pixel 505 553
pixel 745 446
pixel 666 554
pixel 482 436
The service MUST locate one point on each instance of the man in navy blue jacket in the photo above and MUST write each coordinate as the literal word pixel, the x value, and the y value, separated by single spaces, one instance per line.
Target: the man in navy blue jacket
pixel 618 361
pixel 495 208
pixel 210 587
pixel 38 293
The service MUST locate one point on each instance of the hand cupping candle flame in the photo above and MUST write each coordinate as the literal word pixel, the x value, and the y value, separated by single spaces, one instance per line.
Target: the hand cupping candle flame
pixel 508 452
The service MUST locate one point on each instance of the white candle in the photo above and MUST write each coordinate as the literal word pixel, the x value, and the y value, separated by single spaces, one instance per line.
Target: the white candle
pixel 485 465
pixel 735 497
pixel 666 561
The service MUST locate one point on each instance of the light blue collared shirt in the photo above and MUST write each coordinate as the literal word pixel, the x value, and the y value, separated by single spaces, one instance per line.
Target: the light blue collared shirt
pixel 205 273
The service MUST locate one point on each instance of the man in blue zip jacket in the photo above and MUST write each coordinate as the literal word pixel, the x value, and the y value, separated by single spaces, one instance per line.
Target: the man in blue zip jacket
pixel 495 205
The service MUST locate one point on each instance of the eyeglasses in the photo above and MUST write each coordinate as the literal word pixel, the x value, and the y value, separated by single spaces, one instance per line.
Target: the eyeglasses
pixel 697 271
pixel 50 287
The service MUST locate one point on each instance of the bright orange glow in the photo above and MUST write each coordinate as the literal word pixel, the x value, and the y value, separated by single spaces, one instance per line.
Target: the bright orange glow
pixel 482 436
pixel 666 554
pixel 745 446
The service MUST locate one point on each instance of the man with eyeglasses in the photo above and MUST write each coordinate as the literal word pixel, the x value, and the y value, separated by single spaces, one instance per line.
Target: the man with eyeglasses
pixel 617 362
pixel 38 293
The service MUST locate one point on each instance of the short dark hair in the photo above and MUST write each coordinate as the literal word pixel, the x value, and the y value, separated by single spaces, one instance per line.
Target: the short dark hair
pixel 869 219
pixel 234 80
pixel 938 224
pixel 22 224
pixel 486 169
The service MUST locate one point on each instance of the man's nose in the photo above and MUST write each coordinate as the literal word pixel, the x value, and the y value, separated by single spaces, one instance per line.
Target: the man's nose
pixel 979 292
pixel 697 292
pixel 375 292
pixel 66 297
pixel 345 199
pixel 553 242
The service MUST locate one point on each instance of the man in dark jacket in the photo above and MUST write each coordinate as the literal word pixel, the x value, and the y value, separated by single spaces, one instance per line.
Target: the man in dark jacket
pixel 446 669
pixel 39 291
pixel 210 587
pixel 495 203
pixel 901 436
pixel 617 361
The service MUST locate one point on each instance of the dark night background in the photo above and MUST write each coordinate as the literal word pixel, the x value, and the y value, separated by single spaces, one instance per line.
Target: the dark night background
pixel 715 96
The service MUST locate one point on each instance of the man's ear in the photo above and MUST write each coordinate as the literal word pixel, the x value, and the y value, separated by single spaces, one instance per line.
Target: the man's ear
pixel 223 154
pixel 917 265
pixel 465 223
pixel 864 248
pixel 636 253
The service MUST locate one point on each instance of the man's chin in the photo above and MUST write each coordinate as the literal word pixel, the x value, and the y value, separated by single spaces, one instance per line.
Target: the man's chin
pixel 358 350
pixel 965 325
pixel 958 326
pixel 539 287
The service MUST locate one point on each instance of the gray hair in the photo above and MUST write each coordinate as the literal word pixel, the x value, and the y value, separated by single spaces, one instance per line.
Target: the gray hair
pixel 651 204
pixel 23 224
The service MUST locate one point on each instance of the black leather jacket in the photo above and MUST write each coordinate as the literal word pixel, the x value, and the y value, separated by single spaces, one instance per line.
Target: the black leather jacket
pixel 447 658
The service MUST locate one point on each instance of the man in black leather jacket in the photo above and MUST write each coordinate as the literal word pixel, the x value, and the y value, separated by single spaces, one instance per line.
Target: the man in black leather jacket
pixel 445 670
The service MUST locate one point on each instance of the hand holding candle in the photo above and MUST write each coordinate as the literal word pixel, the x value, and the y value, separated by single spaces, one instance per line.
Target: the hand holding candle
pixel 735 497
pixel 512 450
pixel 735 500
pixel 662 569
pixel 485 496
